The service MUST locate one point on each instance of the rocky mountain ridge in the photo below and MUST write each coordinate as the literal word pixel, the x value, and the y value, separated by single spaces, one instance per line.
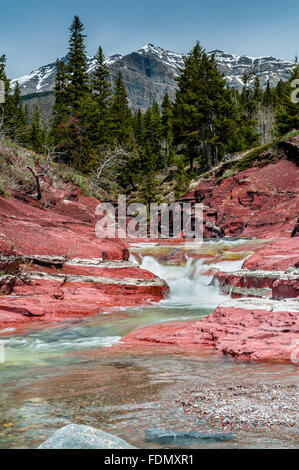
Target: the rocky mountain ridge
pixel 150 72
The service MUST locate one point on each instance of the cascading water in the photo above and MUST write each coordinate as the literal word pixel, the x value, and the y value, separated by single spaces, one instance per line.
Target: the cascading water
pixel 69 373
pixel 188 286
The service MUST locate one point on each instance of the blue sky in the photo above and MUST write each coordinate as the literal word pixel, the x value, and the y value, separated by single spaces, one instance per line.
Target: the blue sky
pixel 35 32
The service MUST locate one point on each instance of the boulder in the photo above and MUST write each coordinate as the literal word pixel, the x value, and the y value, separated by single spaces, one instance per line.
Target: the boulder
pixel 162 436
pixel 9 260
pixel 75 436
pixel 283 289
pixel 7 284
pixel 6 249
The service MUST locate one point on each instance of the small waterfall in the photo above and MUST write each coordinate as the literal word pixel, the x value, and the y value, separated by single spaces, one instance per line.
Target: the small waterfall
pixel 187 285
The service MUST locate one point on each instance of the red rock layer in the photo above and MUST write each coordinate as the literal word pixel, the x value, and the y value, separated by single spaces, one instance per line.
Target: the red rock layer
pixel 277 256
pixel 62 225
pixel 258 202
pixel 255 335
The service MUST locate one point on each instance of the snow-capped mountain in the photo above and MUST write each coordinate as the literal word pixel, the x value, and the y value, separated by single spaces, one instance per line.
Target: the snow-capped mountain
pixel 169 58
pixel 43 79
pixel 150 72
pixel 266 68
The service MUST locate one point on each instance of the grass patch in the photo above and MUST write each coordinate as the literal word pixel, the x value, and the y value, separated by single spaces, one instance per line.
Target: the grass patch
pixel 227 174
pixel 290 135
pixel 254 157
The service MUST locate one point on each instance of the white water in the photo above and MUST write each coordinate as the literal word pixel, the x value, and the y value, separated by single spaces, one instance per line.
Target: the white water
pixel 188 287
pixel 50 342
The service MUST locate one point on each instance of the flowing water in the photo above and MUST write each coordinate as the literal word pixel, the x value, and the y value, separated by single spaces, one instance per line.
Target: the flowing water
pixel 81 372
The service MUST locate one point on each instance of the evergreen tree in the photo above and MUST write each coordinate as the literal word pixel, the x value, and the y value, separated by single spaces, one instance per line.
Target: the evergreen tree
pixel 280 89
pixel 181 180
pixel 287 116
pixel 72 103
pixel 121 117
pixel 2 67
pixel 257 91
pixel 138 126
pixel 12 115
pixel 77 75
pixel 247 97
pixel 203 109
pixel 61 108
pixel 269 97
pixel 149 187
pixel 21 116
pixel 156 134
pixel 36 132
pixel 102 90
pixel 147 121
pixel 167 130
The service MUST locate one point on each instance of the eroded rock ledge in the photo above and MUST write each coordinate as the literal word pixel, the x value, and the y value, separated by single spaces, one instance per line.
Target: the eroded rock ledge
pixel 254 327
pixel 53 267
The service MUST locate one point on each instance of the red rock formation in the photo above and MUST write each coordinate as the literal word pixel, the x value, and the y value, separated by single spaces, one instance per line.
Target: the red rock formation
pixel 62 269
pixel 283 289
pixel 277 256
pixel 241 333
pixel 258 202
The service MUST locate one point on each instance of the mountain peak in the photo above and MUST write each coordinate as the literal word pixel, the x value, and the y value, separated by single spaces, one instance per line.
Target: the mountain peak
pixel 150 48
pixel 151 77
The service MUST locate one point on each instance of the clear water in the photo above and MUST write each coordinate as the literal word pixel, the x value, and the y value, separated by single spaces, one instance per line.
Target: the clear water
pixel 81 372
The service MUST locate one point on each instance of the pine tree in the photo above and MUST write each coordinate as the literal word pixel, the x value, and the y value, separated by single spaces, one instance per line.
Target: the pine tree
pixel 167 130
pixel 181 179
pixel 121 117
pixel 156 134
pixel 36 132
pixel 147 122
pixel 20 131
pixel 8 108
pixel 149 187
pixel 203 109
pixel 138 127
pixel 61 108
pixel 2 67
pixel 257 91
pixel 72 103
pixel 269 97
pixel 247 97
pixel 12 115
pixel 77 75
pixel 102 90
pixel 287 116
pixel 280 89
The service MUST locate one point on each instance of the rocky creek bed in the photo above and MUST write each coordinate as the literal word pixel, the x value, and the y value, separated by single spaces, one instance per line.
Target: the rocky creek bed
pixel 235 406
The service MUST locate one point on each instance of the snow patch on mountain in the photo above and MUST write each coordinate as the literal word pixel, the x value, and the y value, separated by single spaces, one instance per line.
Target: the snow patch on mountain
pixel 233 67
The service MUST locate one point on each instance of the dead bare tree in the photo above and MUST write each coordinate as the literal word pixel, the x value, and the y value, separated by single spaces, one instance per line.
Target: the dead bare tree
pixel 265 117
pixel 1 117
pixel 51 153
pixel 38 188
pixel 109 165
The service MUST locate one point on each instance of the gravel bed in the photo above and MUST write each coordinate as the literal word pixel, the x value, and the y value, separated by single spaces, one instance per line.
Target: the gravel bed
pixel 239 406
